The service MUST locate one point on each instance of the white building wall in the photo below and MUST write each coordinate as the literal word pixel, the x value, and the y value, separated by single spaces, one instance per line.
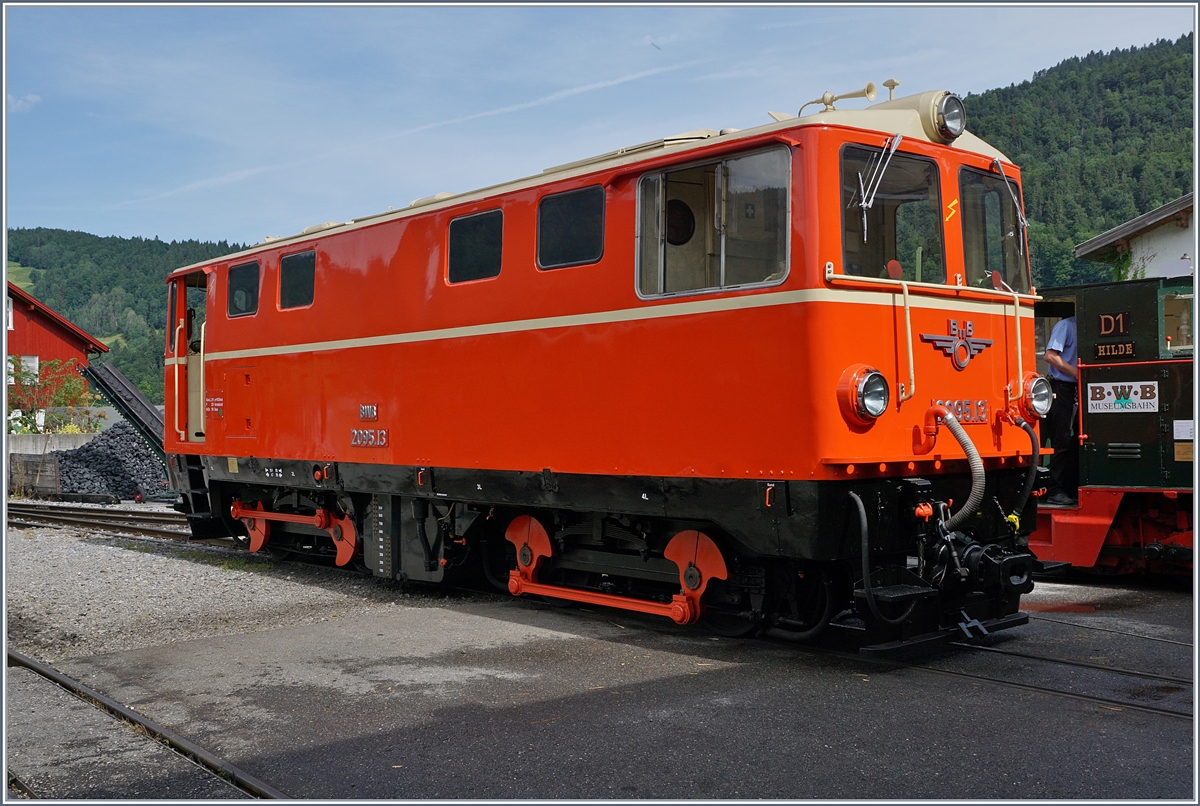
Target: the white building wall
pixel 1160 251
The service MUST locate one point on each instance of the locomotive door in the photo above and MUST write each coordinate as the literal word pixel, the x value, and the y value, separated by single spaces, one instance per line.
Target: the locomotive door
pixel 189 299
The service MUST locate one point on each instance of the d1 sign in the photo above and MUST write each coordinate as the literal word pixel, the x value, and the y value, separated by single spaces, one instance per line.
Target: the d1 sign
pixel 1106 398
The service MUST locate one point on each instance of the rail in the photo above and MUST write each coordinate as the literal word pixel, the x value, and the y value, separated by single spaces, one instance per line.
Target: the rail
pixel 223 769
pixel 122 521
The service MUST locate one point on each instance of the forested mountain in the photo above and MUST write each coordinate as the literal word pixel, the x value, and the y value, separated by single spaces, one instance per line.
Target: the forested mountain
pixel 1100 139
pixel 111 287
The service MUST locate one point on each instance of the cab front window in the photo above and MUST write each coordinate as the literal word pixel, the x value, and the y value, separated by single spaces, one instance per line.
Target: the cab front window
pixel 891 214
pixel 993 240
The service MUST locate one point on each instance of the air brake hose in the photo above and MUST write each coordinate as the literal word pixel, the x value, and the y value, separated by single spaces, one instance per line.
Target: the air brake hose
pixel 1031 476
pixel 977 480
pixel 866 569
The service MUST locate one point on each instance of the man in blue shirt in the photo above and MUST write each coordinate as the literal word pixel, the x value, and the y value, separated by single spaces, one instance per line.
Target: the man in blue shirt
pixel 1062 356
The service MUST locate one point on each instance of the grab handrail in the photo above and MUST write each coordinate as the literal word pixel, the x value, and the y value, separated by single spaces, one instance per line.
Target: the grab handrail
pixel 181 433
pixel 907 394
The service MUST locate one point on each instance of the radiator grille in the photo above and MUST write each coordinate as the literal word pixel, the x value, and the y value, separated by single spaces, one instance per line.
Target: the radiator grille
pixel 1124 450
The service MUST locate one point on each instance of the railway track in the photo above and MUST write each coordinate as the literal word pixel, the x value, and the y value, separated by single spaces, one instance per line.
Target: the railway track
pixel 1077 663
pixel 171 525
pixel 240 779
pixel 1107 702
pixel 1110 630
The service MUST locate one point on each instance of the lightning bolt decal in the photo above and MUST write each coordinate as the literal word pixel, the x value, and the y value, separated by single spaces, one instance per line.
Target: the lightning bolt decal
pixel 950 206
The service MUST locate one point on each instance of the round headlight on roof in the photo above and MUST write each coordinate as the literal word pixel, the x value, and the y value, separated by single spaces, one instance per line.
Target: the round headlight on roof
pixel 951 116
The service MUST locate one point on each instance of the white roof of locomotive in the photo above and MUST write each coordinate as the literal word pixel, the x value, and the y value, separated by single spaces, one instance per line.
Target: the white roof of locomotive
pixel 900 116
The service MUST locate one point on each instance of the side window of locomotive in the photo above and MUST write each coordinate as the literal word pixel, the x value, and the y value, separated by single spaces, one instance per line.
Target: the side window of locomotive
pixel 476 244
pixel 718 225
pixel 571 228
pixel 297 275
pixel 991 230
pixel 902 219
pixel 754 220
pixel 243 290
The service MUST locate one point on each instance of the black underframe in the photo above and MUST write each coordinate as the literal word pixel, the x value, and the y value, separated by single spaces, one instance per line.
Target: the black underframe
pixel 805 519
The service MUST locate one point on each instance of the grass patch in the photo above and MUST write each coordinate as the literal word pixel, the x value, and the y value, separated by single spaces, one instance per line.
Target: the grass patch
pixel 18 275
pixel 244 564
pixel 227 563
pixel 219 560
pixel 113 341
pixel 131 545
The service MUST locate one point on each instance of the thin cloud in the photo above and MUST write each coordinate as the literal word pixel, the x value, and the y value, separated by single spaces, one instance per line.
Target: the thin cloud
pixel 546 99
pixel 744 72
pixel 211 182
pixel 22 104
pixel 237 176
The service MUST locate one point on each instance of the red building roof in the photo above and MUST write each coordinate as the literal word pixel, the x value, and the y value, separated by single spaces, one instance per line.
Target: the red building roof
pixel 41 331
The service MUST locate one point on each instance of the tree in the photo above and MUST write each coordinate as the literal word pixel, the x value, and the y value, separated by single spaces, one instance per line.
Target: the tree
pixel 52 397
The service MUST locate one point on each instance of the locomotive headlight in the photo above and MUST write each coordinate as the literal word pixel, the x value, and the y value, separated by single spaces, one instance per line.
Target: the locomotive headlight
pixel 873 394
pixel 1038 395
pixel 863 394
pixel 951 116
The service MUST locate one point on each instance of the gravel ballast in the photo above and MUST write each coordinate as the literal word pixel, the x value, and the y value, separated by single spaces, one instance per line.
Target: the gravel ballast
pixel 71 595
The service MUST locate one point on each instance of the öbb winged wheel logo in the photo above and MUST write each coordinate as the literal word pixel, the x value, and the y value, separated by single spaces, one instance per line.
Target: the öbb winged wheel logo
pixel 960 344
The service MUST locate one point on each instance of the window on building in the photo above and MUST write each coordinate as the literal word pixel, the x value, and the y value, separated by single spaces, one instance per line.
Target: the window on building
pixel 9 312
pixel 243 289
pixel 716 225
pixel 903 222
pixel 571 228
pixel 297 277
pixel 992 236
pixel 476 246
pixel 30 365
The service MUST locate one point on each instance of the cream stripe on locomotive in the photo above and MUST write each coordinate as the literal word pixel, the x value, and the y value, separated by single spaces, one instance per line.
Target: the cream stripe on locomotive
pixel 892 299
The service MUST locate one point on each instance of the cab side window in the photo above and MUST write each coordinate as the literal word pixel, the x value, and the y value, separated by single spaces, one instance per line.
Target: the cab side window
pixel 716 225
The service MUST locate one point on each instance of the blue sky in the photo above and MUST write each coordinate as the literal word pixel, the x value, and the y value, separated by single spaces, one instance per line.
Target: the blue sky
pixel 235 123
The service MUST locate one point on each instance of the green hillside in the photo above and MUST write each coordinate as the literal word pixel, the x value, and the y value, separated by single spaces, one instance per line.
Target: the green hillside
pixel 1100 139
pixel 111 287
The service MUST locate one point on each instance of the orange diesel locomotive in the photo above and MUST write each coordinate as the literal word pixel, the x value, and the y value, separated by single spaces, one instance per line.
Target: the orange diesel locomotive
pixel 769 377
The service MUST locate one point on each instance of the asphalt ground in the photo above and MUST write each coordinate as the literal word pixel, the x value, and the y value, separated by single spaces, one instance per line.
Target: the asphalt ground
pixel 474 697
pixel 68 747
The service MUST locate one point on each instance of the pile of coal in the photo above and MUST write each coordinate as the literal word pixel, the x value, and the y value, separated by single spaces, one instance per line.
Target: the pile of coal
pixel 117 462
